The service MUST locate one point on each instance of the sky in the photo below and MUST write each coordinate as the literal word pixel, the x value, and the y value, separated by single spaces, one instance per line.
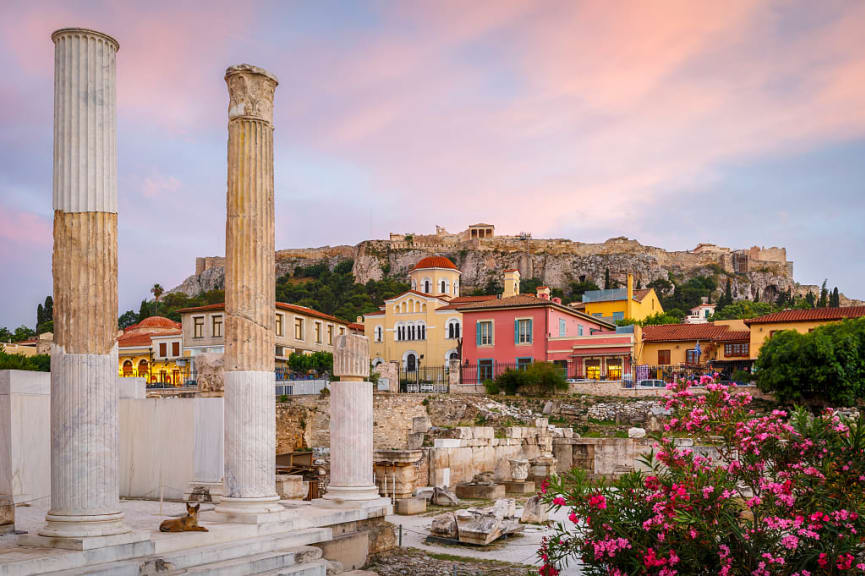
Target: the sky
pixel 672 122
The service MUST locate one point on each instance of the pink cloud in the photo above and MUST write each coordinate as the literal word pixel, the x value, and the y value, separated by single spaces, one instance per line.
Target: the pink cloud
pixel 22 233
pixel 156 186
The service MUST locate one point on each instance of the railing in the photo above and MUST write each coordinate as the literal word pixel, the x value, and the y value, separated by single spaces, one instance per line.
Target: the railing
pixel 431 379
pixel 605 295
pixel 300 387
pixel 284 374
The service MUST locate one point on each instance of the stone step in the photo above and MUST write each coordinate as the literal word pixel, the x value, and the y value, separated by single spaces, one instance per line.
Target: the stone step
pixel 196 556
pixel 187 560
pixel 254 564
pixel 311 568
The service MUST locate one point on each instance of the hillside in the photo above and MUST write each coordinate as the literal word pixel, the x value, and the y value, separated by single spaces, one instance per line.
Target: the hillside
pixel 558 263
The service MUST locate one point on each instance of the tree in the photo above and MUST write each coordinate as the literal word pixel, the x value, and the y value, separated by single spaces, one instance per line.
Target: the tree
pixel 38 362
pixel 40 316
pixel 726 297
pixel 5 334
pixel 157 292
pixel 824 296
pixel 127 319
pixel 661 286
pixel 577 289
pixel 835 299
pixel 742 309
pixel 23 333
pixel 825 365
pixel 810 299
pixel 607 279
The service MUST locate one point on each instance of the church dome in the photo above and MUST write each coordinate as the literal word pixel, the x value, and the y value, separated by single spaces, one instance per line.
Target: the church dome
pixel 435 262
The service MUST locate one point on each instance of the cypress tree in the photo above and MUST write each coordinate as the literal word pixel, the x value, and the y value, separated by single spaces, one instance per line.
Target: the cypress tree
pixel 835 298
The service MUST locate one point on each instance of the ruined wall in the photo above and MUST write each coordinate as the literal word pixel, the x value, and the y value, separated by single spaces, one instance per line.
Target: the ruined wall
pixel 303 422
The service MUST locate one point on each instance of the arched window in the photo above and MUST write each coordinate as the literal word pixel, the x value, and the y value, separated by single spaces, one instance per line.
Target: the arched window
pixel 410 363
pixel 378 333
pixel 444 287
pixel 422 332
pixel 403 307
pixel 455 286
pixel 127 368
pixel 453 329
pixel 143 368
pixel 413 284
pixel 427 285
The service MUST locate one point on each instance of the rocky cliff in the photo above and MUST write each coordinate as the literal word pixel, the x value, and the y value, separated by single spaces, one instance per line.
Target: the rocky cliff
pixel 556 262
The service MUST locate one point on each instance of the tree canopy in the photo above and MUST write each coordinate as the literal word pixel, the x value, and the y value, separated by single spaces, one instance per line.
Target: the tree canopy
pixel 825 365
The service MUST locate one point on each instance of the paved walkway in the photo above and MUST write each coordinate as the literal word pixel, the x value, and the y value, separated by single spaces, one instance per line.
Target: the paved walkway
pixel 520 549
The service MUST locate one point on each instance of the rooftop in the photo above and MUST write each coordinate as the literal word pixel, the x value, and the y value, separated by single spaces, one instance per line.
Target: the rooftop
pixel 279 305
pixel 809 315
pixel 435 262
pixel 528 301
pixel 693 332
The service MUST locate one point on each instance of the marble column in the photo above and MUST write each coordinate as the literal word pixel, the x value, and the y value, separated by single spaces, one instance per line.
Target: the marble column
pixel 84 490
pixel 250 410
pixel 351 413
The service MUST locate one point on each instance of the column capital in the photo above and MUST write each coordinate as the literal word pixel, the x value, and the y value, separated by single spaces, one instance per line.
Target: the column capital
pixel 85 32
pixel 351 357
pixel 250 92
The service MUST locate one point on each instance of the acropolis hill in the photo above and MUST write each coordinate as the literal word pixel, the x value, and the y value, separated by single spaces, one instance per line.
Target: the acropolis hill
pixel 482 255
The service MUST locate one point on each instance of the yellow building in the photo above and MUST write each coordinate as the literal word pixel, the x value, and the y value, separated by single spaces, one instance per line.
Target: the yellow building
pixel 712 347
pixel 621 303
pixel 422 326
pixel 801 321
pixel 153 350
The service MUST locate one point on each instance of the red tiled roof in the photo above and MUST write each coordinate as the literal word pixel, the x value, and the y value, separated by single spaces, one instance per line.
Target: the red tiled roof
pixel 280 305
pixel 157 322
pixel 528 301
pixel 511 270
pixel 689 332
pixel 376 313
pixel 809 315
pixel 356 326
pixel 463 301
pixel 640 294
pixel 435 262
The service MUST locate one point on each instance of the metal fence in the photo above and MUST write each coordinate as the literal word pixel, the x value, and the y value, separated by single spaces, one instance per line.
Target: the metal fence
pixel 425 379
pixel 300 387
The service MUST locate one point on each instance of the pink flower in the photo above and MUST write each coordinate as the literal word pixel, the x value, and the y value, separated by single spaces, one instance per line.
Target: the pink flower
pixel 598 501
pixel 559 501
pixel 572 517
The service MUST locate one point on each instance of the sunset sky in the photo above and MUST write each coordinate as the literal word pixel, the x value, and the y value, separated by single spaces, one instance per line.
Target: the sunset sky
pixel 736 123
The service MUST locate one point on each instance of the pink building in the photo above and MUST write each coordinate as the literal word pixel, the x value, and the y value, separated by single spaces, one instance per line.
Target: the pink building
pixel 518 329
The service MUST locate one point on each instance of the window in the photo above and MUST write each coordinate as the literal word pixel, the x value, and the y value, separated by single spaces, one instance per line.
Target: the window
pixel 580 330
pixel 523 363
pixel 163 349
pixel 444 286
pixel 175 348
pixel 453 329
pixel 563 327
pixel 598 314
pixel 692 356
pixel 330 334
pixel 378 333
pixel 663 357
pixel 298 328
pixel 614 369
pixel 427 286
pixel 198 327
pixel 737 349
pixel 280 350
pixel 318 332
pixel 485 370
pixel 484 333
pixel 341 330
pixel 593 369
pixel 618 316
pixel 523 331
pixel 279 329
pixel 216 326
pixel 410 363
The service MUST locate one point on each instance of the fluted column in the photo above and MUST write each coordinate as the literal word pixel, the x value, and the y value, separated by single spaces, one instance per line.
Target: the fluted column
pixel 250 411
pixel 351 413
pixel 84 490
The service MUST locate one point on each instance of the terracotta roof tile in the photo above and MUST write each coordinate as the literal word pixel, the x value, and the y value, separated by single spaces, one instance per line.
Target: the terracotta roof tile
pixel 435 262
pixel 688 332
pixel 640 294
pixel 809 315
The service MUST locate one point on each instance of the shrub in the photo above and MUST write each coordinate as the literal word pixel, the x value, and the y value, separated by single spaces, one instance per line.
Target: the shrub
pixel 512 380
pixel 783 496
pixel 545 378
pixel 37 363
pixel 823 366
pixel 491 387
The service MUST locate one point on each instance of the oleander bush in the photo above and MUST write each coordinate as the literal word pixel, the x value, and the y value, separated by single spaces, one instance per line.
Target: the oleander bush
pixel 780 494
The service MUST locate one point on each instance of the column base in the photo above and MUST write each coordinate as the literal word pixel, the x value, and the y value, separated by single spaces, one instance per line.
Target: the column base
pixel 351 493
pixel 141 540
pixel 83 526
pixel 260 505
